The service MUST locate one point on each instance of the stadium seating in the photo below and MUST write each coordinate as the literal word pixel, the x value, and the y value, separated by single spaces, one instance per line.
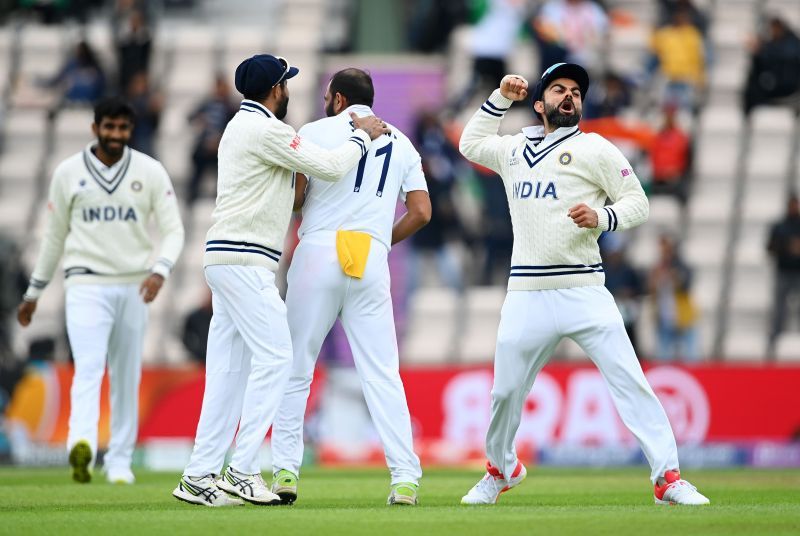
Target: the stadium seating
pixel 442 326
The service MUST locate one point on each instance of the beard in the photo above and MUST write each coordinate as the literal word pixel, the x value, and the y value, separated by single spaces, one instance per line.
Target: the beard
pixel 329 109
pixel 114 151
pixel 283 107
pixel 558 119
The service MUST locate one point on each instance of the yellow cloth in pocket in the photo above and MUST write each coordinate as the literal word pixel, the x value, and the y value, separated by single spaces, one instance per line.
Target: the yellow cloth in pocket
pixel 352 247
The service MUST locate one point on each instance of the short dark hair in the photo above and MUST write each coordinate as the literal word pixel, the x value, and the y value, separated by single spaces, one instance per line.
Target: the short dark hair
pixel 262 95
pixel 355 85
pixel 113 107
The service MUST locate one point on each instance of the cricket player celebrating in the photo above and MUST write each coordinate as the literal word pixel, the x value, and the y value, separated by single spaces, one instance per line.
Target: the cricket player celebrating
pixel 100 202
pixel 249 347
pixel 340 269
pixel 557 179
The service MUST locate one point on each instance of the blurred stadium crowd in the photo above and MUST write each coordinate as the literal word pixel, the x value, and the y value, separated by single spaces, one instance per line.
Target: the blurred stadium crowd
pixel 703 97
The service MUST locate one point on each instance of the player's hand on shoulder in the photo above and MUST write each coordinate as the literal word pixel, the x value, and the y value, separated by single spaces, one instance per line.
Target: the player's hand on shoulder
pixel 25 312
pixel 372 125
pixel 584 216
pixel 514 87
pixel 150 287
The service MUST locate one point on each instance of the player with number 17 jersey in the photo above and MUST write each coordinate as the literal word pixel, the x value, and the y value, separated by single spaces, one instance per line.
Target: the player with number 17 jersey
pixel 340 269
pixel 392 165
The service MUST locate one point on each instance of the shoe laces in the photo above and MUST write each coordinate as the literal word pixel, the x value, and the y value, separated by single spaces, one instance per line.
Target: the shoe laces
pixel 682 487
pixel 487 485
pixel 259 481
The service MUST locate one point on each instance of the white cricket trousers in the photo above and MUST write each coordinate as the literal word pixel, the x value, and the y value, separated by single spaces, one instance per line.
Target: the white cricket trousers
pixel 318 292
pixel 531 325
pixel 247 365
pixel 106 324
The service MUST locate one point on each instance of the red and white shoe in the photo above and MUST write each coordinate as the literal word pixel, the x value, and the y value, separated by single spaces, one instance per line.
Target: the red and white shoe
pixel 489 488
pixel 678 491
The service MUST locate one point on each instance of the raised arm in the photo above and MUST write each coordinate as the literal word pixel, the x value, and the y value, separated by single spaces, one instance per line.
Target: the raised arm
pixel 480 142
pixel 288 149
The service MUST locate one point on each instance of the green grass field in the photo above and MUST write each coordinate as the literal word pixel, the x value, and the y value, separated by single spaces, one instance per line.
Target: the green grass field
pixel 352 502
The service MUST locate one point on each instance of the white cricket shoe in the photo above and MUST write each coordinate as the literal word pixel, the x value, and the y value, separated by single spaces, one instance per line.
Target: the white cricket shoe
pixel 489 488
pixel 120 476
pixel 678 491
pixel 203 491
pixel 251 488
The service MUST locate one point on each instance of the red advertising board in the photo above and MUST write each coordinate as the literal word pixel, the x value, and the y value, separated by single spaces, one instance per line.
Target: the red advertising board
pixel 568 404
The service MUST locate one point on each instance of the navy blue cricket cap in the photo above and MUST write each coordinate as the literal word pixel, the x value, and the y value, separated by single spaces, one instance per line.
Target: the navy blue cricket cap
pixel 261 73
pixel 573 71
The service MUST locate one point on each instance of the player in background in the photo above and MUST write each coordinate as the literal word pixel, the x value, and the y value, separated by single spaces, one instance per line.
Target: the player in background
pixel 101 200
pixel 249 347
pixel 340 269
pixel 557 180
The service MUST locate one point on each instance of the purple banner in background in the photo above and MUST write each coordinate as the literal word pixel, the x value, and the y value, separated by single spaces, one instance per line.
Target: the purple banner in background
pixel 401 92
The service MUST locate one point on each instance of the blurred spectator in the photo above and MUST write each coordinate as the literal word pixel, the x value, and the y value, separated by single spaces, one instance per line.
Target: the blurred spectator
pixel 210 117
pixel 625 284
pixel 491 41
pixel 81 77
pixel 784 247
pixel 498 237
pixel 440 162
pixel 13 282
pixel 676 313
pixel 133 41
pixel 679 54
pixel 431 22
pixel 666 8
pixel 148 105
pixel 195 330
pixel 572 31
pixel 55 11
pixel 608 98
pixel 671 159
pixel 774 66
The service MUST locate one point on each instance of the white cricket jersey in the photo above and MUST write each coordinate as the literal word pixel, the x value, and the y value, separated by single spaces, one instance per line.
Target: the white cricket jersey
pixel 97 217
pixel 258 155
pixel 545 176
pixel 365 198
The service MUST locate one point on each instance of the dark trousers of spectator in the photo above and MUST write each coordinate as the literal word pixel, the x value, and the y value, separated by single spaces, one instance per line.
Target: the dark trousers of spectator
pixel 787 285
pixel 678 188
pixel 201 162
pixel 486 73
pixel 755 95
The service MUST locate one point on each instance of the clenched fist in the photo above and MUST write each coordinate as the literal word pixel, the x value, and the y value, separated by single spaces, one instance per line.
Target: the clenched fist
pixel 583 216
pixel 514 87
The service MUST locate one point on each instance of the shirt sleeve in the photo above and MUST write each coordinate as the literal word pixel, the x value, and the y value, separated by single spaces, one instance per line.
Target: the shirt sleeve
pixel 480 142
pixel 56 229
pixel 413 177
pixel 615 176
pixel 168 219
pixel 285 148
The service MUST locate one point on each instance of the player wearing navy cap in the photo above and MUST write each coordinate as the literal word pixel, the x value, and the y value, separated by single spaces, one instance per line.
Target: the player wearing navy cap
pixel 249 347
pixel 557 180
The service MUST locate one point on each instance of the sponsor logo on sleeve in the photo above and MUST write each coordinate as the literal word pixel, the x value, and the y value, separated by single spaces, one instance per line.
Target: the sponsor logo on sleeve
pixel 295 144
pixel 627 172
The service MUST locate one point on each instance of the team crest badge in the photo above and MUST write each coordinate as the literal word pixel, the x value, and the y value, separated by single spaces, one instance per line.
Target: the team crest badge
pixel 565 158
pixel 136 186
